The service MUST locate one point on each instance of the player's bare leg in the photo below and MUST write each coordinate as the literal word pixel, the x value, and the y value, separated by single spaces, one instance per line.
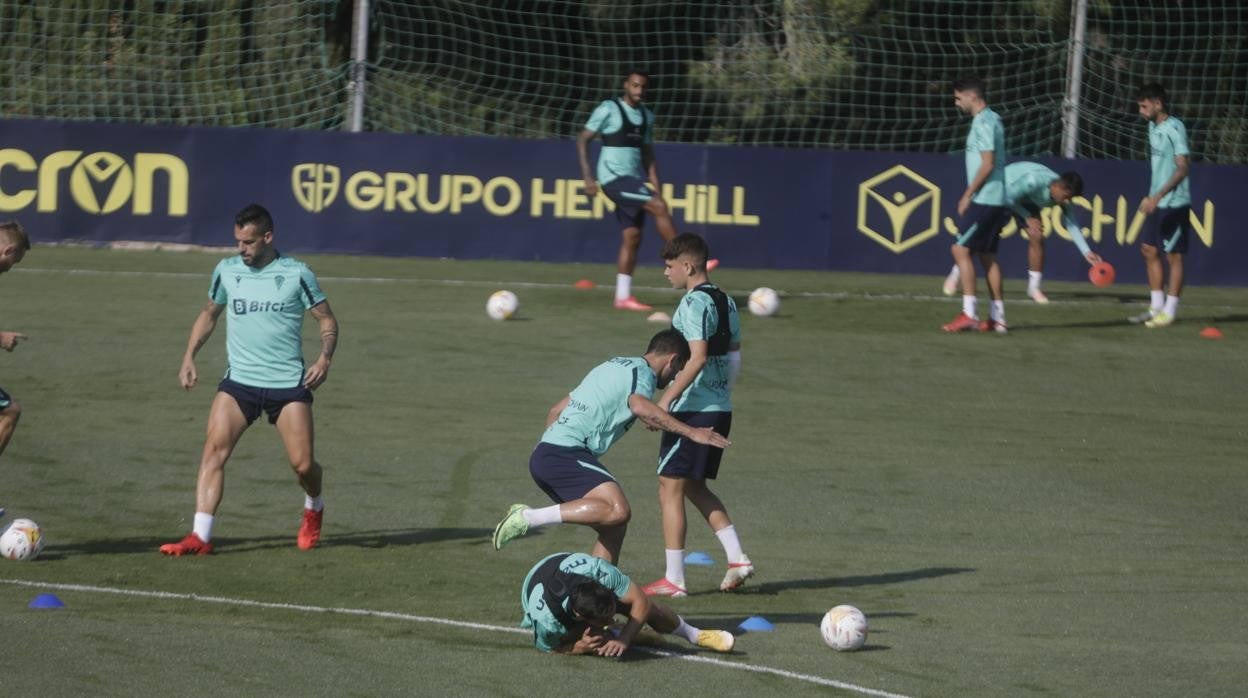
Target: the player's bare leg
pixel 663 222
pixel 626 262
pixel 1035 266
pixel 740 568
pixel 966 320
pixel 226 425
pixel 664 620
pixel 996 315
pixel 295 426
pixel 1156 284
pixel 9 417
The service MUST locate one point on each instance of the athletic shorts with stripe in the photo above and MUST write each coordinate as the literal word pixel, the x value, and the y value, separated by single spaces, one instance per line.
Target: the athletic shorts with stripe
pixel 629 194
pixel 681 457
pixel 566 473
pixel 980 228
pixel 1167 229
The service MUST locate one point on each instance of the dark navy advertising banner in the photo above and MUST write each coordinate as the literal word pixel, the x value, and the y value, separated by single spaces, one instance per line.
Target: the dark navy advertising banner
pixel 471 198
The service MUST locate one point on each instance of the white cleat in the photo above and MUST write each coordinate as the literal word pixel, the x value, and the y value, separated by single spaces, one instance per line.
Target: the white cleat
pixel 738 572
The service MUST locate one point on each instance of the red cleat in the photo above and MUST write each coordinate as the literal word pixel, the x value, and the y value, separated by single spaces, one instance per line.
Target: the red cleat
pixel 631 303
pixel 310 529
pixel 997 326
pixel 190 545
pixel 662 587
pixel 961 323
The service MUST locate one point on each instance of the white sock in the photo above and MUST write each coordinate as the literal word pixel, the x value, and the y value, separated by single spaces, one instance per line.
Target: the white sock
pixel 1033 280
pixel 675 567
pixel 685 630
pixel 954 274
pixel 623 286
pixel 1172 305
pixel 968 306
pixel 313 503
pixel 203 526
pixel 732 546
pixel 1156 300
pixel 545 516
pixel 998 311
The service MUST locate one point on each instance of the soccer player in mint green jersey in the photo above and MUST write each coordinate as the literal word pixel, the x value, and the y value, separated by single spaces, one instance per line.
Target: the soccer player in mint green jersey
pixel 628 174
pixel 13 246
pixel 570 599
pixel 1030 187
pixel 700 395
pixel 264 295
pixel 582 426
pixel 982 209
pixel 1168 206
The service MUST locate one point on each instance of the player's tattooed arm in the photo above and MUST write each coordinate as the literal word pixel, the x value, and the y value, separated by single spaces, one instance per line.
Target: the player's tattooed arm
pixel 329 328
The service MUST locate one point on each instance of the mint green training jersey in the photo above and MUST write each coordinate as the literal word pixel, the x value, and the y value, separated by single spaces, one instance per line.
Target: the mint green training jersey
pixel 1166 141
pixel 548 632
pixel 1028 183
pixel 597 413
pixel 697 319
pixel 615 162
pixel 987 134
pixel 264 318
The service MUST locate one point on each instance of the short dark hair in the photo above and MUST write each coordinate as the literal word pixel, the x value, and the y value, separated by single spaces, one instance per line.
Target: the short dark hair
pixel 1152 90
pixel 592 600
pixel 690 244
pixel 670 341
pixel 16 234
pixel 1073 182
pixel 257 215
pixel 969 85
pixel 636 71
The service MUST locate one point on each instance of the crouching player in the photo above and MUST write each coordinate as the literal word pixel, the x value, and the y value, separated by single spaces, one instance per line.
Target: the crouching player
pixel 569 599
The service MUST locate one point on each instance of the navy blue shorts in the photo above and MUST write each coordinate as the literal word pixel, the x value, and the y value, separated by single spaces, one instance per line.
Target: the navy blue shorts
pixel 5 399
pixel 981 227
pixel 680 457
pixel 1167 229
pixel 566 473
pixel 253 401
pixel 629 194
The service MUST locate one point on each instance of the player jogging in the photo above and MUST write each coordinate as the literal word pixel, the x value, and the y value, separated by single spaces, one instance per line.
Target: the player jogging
pixel 981 210
pixel 1168 206
pixel 14 243
pixel 266 295
pixel 569 599
pixel 1030 187
pixel 582 426
pixel 628 174
pixel 700 395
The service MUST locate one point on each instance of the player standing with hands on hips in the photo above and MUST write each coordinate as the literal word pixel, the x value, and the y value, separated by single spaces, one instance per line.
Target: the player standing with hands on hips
pixel 628 174
pixel 266 294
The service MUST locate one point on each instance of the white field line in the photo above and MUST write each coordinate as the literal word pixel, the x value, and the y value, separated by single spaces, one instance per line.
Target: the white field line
pixel 496 284
pixel 393 615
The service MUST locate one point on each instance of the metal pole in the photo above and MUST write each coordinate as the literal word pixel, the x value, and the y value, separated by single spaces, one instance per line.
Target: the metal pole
pixel 359 69
pixel 1074 79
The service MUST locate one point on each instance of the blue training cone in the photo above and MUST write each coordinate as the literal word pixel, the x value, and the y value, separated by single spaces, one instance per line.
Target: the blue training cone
pixel 756 624
pixel 47 601
pixel 697 558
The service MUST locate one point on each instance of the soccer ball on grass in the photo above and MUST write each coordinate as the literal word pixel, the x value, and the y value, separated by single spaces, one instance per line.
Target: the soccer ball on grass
pixel 502 305
pixel 22 540
pixel 844 629
pixel 764 301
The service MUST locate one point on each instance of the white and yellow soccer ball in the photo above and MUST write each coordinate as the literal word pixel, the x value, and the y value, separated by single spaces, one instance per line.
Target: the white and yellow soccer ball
pixel 764 301
pixel 22 540
pixel 844 628
pixel 502 305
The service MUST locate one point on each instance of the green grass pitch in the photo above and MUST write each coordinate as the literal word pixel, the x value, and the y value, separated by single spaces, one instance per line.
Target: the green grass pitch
pixel 1059 511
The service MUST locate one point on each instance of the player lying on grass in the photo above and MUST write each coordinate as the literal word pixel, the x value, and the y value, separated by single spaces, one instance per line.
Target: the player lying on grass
pixel 570 599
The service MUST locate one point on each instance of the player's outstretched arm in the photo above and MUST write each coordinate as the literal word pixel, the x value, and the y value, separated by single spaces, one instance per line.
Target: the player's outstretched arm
pixel 201 330
pixel 319 370
pixel 653 415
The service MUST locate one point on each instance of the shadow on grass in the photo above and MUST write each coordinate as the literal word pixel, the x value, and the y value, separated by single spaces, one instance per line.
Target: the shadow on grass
pixel 773 588
pixel 1192 321
pixel 225 545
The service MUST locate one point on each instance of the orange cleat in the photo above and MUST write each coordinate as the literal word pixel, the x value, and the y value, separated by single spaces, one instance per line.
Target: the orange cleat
pixel 190 545
pixel 631 303
pixel 310 529
pixel 662 587
pixel 961 323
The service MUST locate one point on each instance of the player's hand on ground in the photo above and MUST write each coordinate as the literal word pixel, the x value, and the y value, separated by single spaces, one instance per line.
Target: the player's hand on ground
pixel 316 374
pixel 188 375
pixel 709 437
pixel 9 340
pixel 591 640
pixel 612 648
pixel 1093 258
